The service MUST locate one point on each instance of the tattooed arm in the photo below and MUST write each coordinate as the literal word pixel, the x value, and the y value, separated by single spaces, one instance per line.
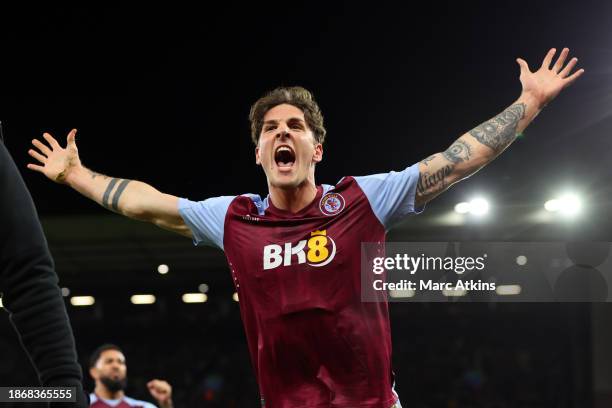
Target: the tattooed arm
pixel 131 198
pixel 485 142
pixel 472 151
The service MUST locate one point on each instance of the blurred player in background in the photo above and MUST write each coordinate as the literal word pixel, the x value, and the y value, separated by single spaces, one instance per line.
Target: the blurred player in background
pixel 108 368
pixel 295 255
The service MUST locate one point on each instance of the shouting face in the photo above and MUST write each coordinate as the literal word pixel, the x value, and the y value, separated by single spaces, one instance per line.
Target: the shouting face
pixel 287 150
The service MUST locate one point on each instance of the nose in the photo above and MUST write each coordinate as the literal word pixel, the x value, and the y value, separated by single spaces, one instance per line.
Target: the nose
pixel 283 132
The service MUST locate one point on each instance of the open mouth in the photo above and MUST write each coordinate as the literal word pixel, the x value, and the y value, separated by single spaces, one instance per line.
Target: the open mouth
pixel 284 156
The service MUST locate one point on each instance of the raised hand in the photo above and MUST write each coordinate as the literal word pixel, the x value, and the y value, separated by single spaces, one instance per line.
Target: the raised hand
pixel 56 162
pixel 162 392
pixel 546 83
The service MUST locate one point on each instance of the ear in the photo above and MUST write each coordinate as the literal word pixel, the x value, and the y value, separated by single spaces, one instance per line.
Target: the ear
pixel 257 157
pixel 318 153
pixel 93 373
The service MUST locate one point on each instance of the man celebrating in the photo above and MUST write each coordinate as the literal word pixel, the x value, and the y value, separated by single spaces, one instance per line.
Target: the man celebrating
pixel 107 367
pixel 295 255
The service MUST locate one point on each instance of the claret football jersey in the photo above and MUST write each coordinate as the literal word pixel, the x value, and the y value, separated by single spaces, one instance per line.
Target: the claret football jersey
pixel 313 342
pixel 125 402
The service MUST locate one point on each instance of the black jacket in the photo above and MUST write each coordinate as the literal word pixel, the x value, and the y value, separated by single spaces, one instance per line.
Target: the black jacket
pixel 30 288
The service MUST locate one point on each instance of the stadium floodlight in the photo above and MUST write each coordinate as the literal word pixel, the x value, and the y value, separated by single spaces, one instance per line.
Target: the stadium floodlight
pixel 479 206
pixel 65 292
pixel 202 287
pixel 142 299
pixel 454 292
pixel 506 290
pixel 570 204
pixel 462 208
pixel 402 293
pixel 163 269
pixel 195 297
pixel 1 306
pixel 82 300
pixel 552 205
pixel 567 204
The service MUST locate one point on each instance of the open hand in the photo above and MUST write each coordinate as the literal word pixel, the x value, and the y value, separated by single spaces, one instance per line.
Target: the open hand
pixel 57 162
pixel 546 83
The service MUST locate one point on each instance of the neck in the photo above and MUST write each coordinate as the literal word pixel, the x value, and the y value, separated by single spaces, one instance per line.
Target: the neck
pixel 294 199
pixel 103 392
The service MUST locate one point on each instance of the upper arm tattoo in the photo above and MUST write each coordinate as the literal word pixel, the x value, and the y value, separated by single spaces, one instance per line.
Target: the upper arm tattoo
pixel 500 131
pixel 110 199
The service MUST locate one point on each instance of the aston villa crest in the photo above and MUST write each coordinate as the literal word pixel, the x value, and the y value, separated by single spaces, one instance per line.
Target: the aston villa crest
pixel 331 204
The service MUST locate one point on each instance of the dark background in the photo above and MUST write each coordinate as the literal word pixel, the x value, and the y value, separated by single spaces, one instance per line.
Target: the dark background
pixel 162 93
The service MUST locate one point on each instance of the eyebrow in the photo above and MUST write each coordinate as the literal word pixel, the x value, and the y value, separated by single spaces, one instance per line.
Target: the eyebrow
pixel 274 121
pixel 112 359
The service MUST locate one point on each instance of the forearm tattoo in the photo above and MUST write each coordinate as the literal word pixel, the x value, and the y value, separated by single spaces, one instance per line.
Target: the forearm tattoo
pixel 459 152
pixel 110 199
pixel 93 174
pixel 496 133
pixel 500 131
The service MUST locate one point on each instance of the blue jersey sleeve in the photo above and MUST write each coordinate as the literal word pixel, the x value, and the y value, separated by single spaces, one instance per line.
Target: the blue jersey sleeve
pixel 391 195
pixel 206 219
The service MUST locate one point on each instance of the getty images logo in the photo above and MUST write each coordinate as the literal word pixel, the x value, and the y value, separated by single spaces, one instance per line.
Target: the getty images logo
pixel 318 250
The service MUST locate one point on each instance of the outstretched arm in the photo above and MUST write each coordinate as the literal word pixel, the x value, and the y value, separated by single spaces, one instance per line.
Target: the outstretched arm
pixel 481 145
pixel 131 198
